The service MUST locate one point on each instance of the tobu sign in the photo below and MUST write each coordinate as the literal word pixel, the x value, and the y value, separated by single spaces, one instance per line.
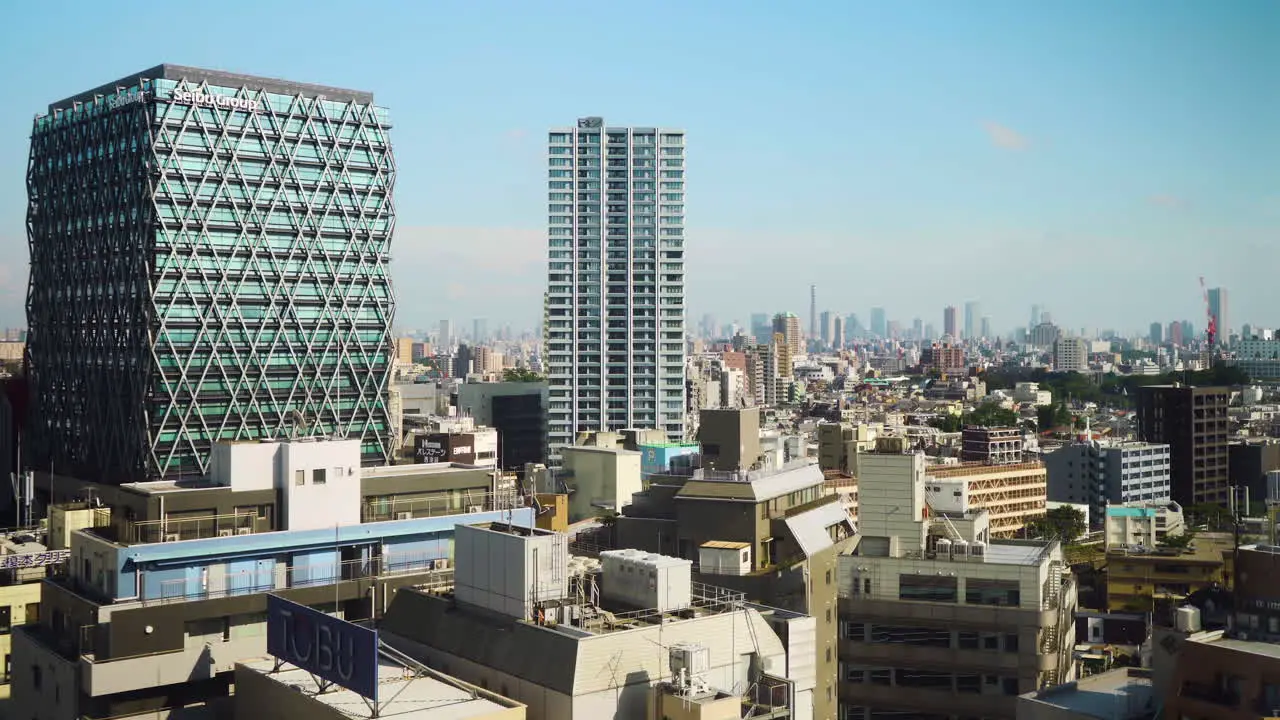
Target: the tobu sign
pixel 332 649
pixel 195 97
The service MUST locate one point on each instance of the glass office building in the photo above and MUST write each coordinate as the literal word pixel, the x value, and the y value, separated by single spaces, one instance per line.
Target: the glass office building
pixel 209 261
pixel 614 325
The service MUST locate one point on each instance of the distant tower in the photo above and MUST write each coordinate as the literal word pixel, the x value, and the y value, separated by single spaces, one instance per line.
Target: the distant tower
pixel 972 318
pixel 1218 309
pixel 949 322
pixel 813 312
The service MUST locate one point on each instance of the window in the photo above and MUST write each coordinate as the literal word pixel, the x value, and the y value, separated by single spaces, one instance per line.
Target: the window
pixel 1010 686
pixel 991 592
pixel 300 477
pixel 967 640
pixel 318 476
pixel 828 577
pixel 6 619
pixel 905 635
pixel 927 588
pixel 1011 642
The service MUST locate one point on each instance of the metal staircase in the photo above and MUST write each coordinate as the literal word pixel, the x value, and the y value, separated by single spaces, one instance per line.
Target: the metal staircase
pixel 1050 640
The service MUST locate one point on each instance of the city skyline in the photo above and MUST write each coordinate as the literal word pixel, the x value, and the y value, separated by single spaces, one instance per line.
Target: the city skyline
pixel 1043 168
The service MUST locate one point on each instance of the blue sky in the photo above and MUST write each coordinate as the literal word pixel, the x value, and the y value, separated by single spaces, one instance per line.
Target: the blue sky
pixel 1092 157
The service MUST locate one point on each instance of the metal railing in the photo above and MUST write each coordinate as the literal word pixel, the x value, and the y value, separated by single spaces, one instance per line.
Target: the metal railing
pixel 283 577
pixel 739 475
pixel 453 503
pixel 186 528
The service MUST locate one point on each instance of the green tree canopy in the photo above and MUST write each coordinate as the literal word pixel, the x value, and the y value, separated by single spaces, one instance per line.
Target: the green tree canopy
pixel 520 375
pixel 1063 523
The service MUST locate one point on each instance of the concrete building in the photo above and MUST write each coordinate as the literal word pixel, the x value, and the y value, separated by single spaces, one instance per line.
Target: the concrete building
pixel 949 327
pixel 991 445
pixel 946 358
pixel 1012 494
pixel 264 692
pixel 1192 421
pixel 1070 354
pixel 1029 392
pixel 840 443
pixel 518 411
pixel 1121 694
pixel 615 340
pixel 475 446
pixel 1146 524
pixel 972 320
pixel 788 326
pixel 26 558
pixel 169 591
pixel 1043 335
pixel 197 344
pixel 1259 359
pixel 1101 473
pixel 1139 576
pixel 1249 461
pixel 599 480
pixel 879 322
pixel 936 618
pixel 572 643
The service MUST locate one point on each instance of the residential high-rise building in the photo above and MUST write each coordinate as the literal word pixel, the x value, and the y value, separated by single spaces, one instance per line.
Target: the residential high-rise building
pixel 1102 473
pixel 985 330
pixel 1035 316
pixel 878 322
pixel 615 339
pixel 1070 354
pixel 1218 309
pixel 813 312
pixel 446 334
pixel 1156 335
pixel 1192 421
pixel 837 332
pixel 209 262
pixel 1175 333
pixel 479 330
pixel 949 322
pixel 826 328
pixel 788 326
pixel 972 317
pixel 917 329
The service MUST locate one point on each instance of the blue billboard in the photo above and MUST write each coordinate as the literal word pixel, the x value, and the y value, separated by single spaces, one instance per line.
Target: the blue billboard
pixel 332 649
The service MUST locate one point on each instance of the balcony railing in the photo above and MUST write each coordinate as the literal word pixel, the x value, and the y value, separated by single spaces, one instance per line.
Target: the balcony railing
pixel 454 503
pixel 284 577
pixel 186 528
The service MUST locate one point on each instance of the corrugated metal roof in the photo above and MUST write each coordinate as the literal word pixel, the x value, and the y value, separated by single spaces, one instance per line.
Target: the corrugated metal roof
pixel 810 527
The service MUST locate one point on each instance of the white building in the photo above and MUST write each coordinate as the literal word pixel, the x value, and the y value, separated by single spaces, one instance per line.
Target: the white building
pixel 1144 524
pixel 1101 473
pixel 1070 354
pixel 615 283
pixel 1260 359
pixel 1030 392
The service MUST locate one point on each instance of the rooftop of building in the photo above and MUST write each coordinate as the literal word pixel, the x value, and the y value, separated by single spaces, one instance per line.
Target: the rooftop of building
pixel 1270 651
pixel 1206 548
pixel 221 78
pixel 602 449
pixel 1113 695
pixel 1143 509
pixel 755 485
pixel 401 694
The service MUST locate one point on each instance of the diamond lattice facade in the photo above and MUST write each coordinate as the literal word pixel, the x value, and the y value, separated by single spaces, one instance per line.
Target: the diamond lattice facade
pixel 614 326
pixel 209 261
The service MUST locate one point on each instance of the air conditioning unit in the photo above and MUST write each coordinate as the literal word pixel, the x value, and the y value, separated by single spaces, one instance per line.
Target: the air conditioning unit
pixel 441 564
pixel 171 537
pixel 244 531
pixel 475 509
pixel 404 515
pixel 225 533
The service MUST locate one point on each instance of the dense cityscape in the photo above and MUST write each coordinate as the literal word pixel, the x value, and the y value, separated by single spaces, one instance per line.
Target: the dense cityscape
pixel 247 482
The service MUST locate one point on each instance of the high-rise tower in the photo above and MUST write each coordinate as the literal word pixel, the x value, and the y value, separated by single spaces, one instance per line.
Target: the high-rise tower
pixel 615 282
pixel 1218 309
pixel 209 261
pixel 972 320
pixel 949 322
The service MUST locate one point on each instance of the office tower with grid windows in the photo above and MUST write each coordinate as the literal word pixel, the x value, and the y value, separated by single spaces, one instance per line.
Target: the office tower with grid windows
pixel 615 328
pixel 209 262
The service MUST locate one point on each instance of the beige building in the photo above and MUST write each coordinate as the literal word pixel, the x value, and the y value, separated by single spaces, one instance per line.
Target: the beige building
pixel 840 443
pixel 405 693
pixel 404 350
pixel 1142 524
pixel 599 480
pixel 936 617
pixel 1012 494
pixel 11 350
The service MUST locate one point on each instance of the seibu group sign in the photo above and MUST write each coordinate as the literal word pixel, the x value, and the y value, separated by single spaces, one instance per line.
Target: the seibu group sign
pixel 222 102
pixel 332 649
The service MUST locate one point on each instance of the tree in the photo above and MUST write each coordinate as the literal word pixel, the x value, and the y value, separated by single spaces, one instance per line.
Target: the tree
pixel 991 415
pixel 1052 416
pixel 1061 523
pixel 947 423
pixel 521 375
pixel 1179 542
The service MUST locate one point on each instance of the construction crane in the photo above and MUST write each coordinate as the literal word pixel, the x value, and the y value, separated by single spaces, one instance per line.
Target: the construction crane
pixel 1211 329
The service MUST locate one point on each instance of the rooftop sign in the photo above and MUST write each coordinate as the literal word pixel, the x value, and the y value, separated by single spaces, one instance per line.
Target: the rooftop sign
pixel 332 649
pixel 225 102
